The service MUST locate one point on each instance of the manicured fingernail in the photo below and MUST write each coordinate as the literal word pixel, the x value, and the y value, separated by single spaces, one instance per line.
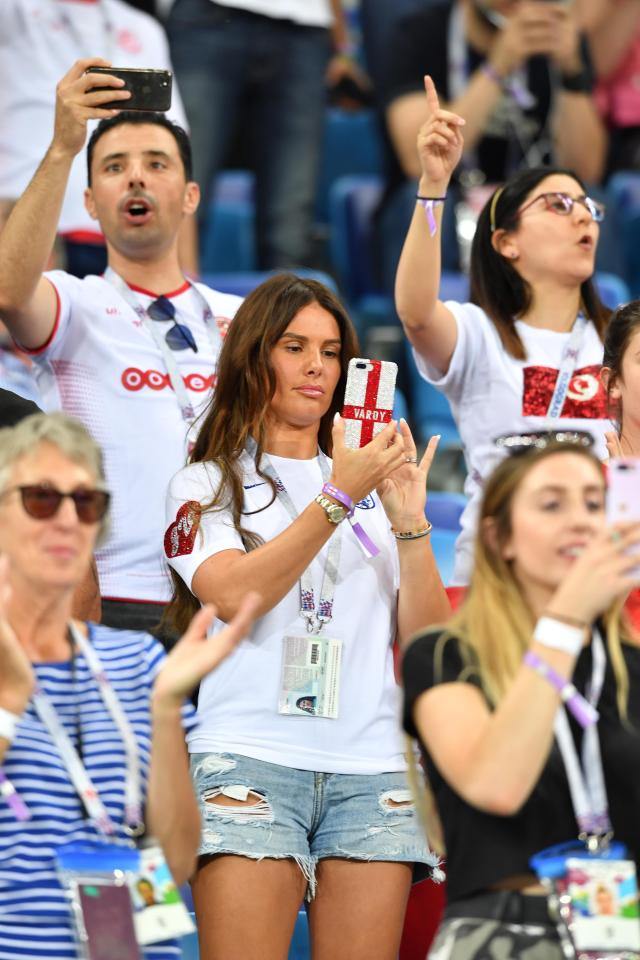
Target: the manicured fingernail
pixel 336 417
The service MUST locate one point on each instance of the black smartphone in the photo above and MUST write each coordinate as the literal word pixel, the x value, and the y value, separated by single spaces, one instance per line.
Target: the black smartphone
pixel 150 89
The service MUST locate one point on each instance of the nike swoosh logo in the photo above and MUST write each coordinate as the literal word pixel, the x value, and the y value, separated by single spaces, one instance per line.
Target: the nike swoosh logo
pixel 250 486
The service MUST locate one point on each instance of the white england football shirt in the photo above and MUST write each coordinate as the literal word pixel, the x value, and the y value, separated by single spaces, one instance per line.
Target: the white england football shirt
pixel 102 365
pixel 238 702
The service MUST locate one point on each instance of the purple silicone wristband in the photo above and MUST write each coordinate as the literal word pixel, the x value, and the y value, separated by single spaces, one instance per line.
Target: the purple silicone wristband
pixel 581 709
pixel 339 495
pixel 15 801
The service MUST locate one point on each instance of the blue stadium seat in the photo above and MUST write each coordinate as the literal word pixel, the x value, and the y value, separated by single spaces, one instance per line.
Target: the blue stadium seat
pixel 227 240
pixel 242 283
pixel 444 509
pixel 443 543
pixel 454 286
pixel 612 289
pixel 352 145
pixel 623 196
pixel 430 408
pixel 299 949
pixel 352 203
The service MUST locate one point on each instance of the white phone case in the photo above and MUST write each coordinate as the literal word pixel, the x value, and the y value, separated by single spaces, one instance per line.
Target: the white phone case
pixel 368 399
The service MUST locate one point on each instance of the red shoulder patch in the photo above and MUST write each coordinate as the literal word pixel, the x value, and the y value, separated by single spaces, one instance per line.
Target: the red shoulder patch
pixel 180 536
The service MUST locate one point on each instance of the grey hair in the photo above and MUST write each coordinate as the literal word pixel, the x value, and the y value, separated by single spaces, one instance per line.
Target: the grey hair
pixel 67 434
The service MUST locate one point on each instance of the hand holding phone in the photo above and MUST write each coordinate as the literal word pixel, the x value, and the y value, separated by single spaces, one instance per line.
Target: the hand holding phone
pixel 150 89
pixel 623 491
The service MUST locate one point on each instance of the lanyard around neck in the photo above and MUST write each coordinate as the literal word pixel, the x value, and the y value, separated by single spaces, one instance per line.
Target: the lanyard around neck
pixel 168 355
pixel 586 779
pixel 314 617
pixel 568 363
pixel 97 812
pixel 515 86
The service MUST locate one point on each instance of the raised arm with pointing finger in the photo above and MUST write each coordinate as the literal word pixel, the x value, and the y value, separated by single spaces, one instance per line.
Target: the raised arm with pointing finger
pixel 429 325
pixel 27 300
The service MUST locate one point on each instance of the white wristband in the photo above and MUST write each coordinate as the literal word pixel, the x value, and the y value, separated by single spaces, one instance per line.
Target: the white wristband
pixel 8 723
pixel 559 636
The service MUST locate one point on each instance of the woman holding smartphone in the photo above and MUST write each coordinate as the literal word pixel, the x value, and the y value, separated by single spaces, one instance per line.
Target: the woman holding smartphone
pixel 484 696
pixel 299 770
pixel 526 351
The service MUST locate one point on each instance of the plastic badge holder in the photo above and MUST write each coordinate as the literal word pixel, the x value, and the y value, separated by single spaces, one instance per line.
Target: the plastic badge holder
pixel 121 898
pixel 594 899
pixel 95 879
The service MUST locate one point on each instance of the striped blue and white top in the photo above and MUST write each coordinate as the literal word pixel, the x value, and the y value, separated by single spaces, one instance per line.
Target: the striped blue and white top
pixel 35 922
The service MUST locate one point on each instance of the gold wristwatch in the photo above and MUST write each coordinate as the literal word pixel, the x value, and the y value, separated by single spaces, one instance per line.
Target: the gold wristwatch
pixel 335 511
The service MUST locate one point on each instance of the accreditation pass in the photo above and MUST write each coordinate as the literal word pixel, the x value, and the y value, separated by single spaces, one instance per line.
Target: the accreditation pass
pixel 310 678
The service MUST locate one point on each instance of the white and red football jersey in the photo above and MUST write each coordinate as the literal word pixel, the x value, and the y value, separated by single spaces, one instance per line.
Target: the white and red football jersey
pixel 491 394
pixel 103 366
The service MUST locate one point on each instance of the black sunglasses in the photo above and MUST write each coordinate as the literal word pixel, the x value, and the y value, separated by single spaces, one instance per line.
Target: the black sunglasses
pixel 179 337
pixel 42 502
pixel 516 443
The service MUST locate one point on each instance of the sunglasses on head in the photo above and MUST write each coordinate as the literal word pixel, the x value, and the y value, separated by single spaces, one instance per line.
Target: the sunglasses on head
pixel 42 502
pixel 517 443
pixel 179 337
pixel 562 204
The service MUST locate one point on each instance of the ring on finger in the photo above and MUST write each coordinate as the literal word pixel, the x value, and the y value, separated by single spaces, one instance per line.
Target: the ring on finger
pixel 410 459
pixel 616 536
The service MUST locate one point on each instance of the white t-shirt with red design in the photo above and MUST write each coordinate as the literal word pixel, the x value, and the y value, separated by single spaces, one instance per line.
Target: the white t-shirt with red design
pixel 102 365
pixel 238 702
pixel 39 42
pixel 491 394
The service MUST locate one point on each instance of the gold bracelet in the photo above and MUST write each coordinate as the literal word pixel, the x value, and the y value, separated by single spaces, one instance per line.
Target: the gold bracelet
pixel 570 621
pixel 412 534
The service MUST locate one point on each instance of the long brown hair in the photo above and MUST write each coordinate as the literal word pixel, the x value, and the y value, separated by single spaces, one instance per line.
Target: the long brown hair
pixel 239 406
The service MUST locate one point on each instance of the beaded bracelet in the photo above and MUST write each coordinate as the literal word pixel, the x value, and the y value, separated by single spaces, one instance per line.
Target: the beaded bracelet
pixel 412 534
pixel 429 203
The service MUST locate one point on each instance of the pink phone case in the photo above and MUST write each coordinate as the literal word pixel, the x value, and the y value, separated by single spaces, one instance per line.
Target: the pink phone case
pixel 623 494
pixel 368 399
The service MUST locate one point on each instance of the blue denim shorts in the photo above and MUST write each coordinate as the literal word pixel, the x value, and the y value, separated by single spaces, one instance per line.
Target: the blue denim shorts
pixel 305 816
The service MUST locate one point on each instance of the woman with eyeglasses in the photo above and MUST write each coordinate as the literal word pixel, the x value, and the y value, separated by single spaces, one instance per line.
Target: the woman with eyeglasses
pixel 297 758
pixel 91 719
pixel 526 351
pixel 510 770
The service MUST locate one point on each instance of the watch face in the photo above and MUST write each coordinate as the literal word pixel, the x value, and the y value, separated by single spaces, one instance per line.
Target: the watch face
pixel 336 512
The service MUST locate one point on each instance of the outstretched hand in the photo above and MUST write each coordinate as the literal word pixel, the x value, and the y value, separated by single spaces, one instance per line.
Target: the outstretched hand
pixel 195 655
pixel 614 447
pixel 440 140
pixel 77 101
pixel 404 492
pixel 17 679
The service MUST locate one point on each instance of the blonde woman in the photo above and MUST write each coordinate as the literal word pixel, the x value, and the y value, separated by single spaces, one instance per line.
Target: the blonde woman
pixel 482 696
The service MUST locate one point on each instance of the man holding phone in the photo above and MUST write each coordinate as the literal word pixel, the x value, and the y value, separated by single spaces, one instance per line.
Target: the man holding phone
pixel 132 354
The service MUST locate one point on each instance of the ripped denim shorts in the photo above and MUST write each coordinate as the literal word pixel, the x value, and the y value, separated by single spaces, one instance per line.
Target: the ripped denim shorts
pixel 256 809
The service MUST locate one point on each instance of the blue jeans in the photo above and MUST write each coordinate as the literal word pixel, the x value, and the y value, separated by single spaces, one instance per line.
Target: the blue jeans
pixel 305 816
pixel 237 68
